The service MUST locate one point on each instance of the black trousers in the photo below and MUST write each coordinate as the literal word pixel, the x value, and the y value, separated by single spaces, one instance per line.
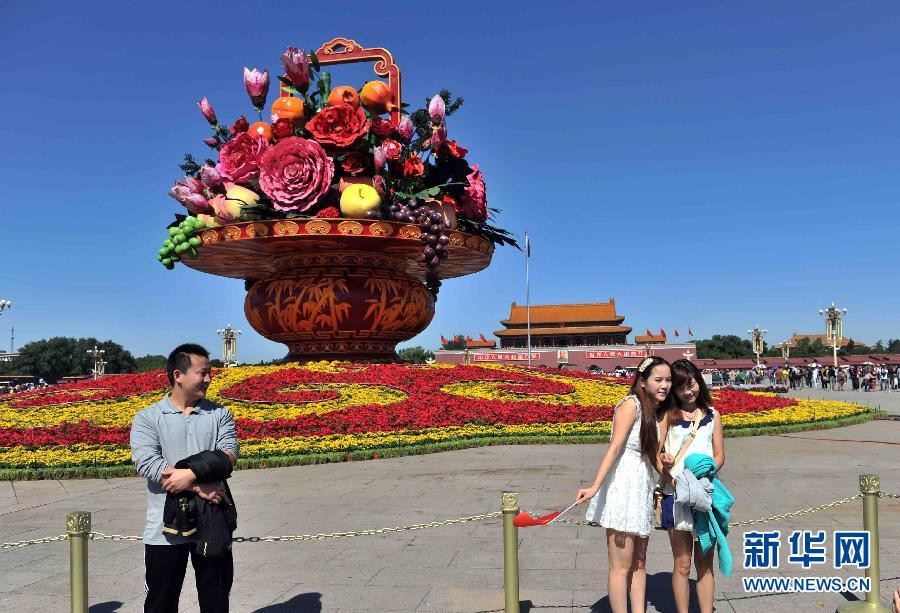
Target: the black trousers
pixel 165 567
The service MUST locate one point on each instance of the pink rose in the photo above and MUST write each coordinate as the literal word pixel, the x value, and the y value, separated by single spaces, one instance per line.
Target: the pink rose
pixel 391 149
pixel 296 173
pixel 239 158
pixel 473 202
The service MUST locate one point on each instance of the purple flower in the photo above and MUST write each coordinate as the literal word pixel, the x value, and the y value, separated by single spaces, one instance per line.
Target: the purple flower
pixel 211 142
pixel 406 128
pixel 257 84
pixel 211 177
pixel 191 194
pixel 207 110
pixel 296 65
pixel 436 109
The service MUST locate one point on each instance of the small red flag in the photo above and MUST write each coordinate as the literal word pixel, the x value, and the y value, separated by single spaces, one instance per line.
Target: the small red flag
pixel 468 338
pixel 525 520
pixel 676 333
pixel 662 333
pixel 649 333
pixel 482 337
pixel 443 340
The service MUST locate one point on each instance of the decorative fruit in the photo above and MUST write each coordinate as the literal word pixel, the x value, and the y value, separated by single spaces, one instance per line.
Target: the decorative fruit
pixel 287 107
pixel 358 199
pixel 377 98
pixel 346 182
pixel 343 94
pixel 260 128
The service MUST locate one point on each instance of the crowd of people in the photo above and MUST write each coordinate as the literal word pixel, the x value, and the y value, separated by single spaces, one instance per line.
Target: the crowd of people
pixel 9 388
pixel 866 378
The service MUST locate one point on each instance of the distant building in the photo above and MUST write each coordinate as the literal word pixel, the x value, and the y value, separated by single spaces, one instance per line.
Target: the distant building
pixel 796 339
pixel 7 356
pixel 564 325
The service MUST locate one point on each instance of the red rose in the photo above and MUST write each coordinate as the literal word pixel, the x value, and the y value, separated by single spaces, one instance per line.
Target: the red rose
pixel 391 149
pixel 451 149
pixel 239 158
pixel 340 125
pixel 241 125
pixel 412 167
pixel 296 173
pixel 355 163
pixel 282 128
pixel 382 127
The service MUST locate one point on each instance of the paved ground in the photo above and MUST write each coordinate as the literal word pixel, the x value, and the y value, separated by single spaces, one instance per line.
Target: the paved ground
pixel 456 568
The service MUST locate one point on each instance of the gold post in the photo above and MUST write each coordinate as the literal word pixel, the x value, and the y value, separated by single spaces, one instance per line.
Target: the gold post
pixel 870 487
pixel 78 527
pixel 509 505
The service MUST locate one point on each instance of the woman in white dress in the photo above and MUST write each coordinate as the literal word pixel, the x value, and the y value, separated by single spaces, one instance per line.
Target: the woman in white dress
pixel 691 400
pixel 622 494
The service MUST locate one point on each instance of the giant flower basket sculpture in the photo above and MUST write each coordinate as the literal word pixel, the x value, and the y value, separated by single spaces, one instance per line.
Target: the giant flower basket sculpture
pixel 342 214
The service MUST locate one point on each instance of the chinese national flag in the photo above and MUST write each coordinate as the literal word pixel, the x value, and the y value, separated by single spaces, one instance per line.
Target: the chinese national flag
pixel 525 520
pixel 649 333
pixel 662 333
pixel 482 337
pixel 468 338
pixel 676 333
pixel 443 340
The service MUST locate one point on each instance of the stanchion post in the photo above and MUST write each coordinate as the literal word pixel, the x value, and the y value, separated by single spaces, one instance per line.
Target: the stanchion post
pixel 78 528
pixel 870 488
pixel 509 505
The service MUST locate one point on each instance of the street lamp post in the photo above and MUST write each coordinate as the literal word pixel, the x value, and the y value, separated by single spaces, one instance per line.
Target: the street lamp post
pixel 834 326
pixel 99 368
pixel 756 337
pixel 229 346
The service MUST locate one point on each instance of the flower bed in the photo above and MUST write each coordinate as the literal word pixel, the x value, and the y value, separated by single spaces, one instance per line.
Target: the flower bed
pixel 331 411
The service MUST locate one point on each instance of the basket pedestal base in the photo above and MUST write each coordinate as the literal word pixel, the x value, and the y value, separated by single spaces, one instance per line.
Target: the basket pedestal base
pixel 339 305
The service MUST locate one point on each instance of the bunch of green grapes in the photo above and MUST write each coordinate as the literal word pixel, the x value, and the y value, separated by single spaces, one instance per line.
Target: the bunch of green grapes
pixel 181 242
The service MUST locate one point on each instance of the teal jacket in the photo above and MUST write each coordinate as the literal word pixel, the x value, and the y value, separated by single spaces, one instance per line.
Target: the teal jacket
pixel 712 525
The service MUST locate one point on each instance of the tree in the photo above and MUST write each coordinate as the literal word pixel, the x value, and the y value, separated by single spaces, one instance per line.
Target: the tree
pixel 416 355
pixel 723 346
pixel 457 341
pixel 52 359
pixel 148 362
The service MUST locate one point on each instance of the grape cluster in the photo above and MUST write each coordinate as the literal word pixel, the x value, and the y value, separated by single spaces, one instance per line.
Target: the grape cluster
pixel 181 242
pixel 434 236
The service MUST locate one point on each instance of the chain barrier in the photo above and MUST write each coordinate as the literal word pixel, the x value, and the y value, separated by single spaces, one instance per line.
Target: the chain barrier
pixel 100 536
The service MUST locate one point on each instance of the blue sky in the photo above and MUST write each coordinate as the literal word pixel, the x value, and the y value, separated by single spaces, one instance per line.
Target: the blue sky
pixel 708 164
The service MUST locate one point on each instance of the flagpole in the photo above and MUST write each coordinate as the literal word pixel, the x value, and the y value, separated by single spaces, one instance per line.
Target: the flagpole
pixel 527 298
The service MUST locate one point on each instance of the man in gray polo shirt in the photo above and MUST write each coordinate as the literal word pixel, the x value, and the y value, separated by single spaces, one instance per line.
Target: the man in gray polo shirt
pixel 178 426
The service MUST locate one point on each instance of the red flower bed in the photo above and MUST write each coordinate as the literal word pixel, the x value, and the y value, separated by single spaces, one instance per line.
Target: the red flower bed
pixel 731 401
pixel 108 388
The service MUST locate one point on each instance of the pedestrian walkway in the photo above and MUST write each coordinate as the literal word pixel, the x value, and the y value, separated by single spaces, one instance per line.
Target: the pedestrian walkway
pixel 453 568
pixel 882 401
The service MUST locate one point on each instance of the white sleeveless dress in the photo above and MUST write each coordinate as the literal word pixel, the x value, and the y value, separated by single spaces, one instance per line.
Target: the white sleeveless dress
pixel 675 437
pixel 624 501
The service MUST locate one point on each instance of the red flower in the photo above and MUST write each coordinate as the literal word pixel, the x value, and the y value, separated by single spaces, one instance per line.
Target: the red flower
pixel 355 162
pixel 451 149
pixel 329 212
pixel 473 203
pixel 391 149
pixel 381 127
pixel 296 173
pixel 239 158
pixel 282 128
pixel 241 125
pixel 412 167
pixel 338 126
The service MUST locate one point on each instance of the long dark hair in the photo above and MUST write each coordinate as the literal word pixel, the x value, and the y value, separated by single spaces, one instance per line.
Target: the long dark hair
pixel 682 373
pixel 649 407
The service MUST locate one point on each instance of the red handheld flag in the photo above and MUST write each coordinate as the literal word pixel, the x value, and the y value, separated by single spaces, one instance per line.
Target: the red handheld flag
pixel 525 520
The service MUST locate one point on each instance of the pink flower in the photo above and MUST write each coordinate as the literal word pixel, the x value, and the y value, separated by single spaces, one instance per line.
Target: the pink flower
pixel 207 110
pixel 211 177
pixel 239 158
pixel 473 202
pixel 391 149
pixel 211 142
pixel 190 192
pixel 406 128
pixel 436 109
pixel 257 84
pixel 379 158
pixel 296 173
pixel 224 208
pixel 338 126
pixel 296 65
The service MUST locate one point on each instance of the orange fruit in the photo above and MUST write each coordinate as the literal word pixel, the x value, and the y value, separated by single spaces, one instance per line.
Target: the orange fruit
pixel 343 94
pixel 377 98
pixel 260 128
pixel 287 107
